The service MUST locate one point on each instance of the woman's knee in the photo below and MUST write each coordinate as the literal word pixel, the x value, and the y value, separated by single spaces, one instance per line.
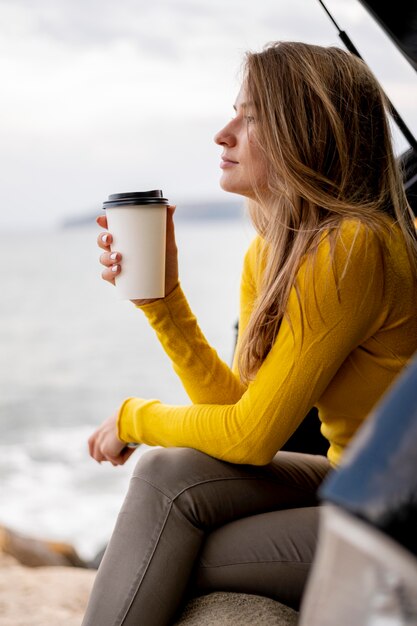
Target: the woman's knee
pixel 173 470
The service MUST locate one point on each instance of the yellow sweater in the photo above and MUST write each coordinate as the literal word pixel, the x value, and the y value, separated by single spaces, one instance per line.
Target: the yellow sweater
pixel 355 340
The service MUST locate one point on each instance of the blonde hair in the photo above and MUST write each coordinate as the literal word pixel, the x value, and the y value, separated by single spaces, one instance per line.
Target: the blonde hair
pixel 322 127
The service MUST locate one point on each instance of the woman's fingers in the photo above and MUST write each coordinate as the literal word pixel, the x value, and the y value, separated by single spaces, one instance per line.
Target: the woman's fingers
pixel 110 273
pixel 111 261
pixel 104 241
pixel 110 258
pixel 125 454
pixel 102 221
pixel 94 449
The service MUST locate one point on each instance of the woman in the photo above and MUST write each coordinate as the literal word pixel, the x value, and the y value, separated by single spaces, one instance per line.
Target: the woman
pixel 327 319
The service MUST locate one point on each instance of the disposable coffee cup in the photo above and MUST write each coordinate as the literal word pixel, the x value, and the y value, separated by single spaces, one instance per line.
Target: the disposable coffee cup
pixel 137 222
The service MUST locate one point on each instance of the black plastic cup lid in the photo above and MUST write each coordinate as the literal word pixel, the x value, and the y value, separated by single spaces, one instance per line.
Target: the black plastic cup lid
pixel 135 197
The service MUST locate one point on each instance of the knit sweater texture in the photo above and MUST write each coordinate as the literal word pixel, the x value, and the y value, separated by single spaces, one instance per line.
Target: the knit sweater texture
pixel 344 338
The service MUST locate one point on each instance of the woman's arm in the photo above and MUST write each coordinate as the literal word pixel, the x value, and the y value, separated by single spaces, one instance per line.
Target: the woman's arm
pixel 206 378
pixel 326 325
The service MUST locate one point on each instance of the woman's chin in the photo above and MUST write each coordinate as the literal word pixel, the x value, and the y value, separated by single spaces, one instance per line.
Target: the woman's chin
pixel 228 186
pixel 225 184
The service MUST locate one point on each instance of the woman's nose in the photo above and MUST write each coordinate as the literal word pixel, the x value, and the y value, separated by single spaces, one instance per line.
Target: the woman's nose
pixel 225 137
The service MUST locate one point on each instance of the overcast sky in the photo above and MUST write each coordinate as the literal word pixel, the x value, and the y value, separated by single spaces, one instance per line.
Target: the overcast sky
pixel 101 96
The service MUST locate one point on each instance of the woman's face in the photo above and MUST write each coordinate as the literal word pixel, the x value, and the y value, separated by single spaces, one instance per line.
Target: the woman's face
pixel 242 163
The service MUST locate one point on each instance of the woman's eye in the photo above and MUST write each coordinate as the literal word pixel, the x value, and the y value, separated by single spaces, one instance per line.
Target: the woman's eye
pixel 249 119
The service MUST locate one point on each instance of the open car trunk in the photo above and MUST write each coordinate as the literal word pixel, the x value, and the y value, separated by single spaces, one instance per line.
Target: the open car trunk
pixel 399 20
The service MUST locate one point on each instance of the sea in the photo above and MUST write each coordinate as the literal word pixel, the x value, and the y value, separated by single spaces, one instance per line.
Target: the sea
pixel 71 351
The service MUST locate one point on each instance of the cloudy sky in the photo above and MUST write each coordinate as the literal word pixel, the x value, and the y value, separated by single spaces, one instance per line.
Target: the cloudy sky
pixel 101 96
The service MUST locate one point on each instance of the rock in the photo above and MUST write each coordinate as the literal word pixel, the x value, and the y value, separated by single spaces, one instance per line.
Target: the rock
pixel 236 609
pixel 37 552
pixel 6 560
pixel 47 595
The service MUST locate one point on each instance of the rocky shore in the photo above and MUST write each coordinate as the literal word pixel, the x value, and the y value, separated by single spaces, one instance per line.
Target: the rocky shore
pixel 47 595
pixel 45 583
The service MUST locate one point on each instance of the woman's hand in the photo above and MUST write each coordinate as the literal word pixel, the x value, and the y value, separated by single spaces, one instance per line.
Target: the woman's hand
pixel 104 444
pixel 112 260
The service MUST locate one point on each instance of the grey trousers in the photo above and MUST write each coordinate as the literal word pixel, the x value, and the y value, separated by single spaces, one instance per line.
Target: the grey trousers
pixel 191 524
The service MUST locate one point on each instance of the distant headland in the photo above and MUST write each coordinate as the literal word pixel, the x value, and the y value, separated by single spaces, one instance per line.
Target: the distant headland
pixel 209 210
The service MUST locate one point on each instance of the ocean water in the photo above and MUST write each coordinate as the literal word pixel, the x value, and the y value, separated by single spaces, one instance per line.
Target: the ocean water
pixel 70 352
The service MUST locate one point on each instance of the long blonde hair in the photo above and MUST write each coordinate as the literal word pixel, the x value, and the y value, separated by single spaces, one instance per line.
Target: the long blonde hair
pixel 321 124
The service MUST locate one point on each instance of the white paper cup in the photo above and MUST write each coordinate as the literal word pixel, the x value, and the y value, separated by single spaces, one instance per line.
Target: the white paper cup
pixel 137 222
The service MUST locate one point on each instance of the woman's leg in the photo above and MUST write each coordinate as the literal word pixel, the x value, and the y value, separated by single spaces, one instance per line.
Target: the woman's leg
pixel 268 554
pixel 176 497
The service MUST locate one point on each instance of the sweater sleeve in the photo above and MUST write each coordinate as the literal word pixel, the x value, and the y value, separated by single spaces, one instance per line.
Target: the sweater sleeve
pixel 205 376
pixel 334 306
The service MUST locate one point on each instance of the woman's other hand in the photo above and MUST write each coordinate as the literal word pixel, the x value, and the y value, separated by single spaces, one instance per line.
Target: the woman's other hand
pixel 104 444
pixel 113 262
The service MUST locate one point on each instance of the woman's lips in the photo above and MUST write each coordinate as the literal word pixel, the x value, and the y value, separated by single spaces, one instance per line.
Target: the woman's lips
pixel 225 163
